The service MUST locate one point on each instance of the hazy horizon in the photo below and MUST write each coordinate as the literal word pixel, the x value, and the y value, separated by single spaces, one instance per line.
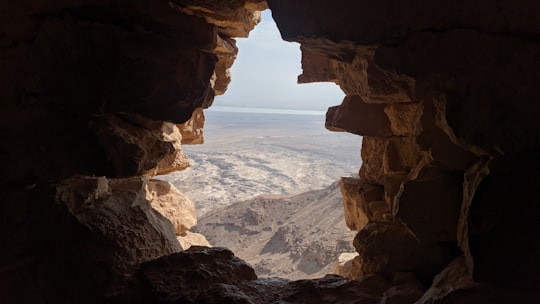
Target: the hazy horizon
pixel 265 73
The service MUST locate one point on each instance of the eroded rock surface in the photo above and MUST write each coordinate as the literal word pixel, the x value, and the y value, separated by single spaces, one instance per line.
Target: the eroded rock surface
pixel 444 93
pixel 188 239
pixel 118 211
pixel 172 204
pixel 184 277
pixel 437 106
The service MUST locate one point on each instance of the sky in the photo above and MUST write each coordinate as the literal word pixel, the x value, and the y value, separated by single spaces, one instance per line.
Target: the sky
pixel 265 72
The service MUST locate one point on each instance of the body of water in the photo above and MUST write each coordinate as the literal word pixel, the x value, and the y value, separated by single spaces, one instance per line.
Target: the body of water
pixel 264 111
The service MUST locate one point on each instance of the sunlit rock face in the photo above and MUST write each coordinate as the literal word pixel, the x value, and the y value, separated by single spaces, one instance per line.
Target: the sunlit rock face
pixel 97 97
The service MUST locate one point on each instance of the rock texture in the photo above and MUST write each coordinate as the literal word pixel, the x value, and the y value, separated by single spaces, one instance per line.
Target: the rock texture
pixel 293 237
pixel 118 211
pixel 77 240
pixel 178 209
pixel 184 277
pixel 192 129
pixel 94 96
pixel 344 265
pixel 231 281
pixel 444 93
pixel 172 204
pixel 188 239
pixel 436 93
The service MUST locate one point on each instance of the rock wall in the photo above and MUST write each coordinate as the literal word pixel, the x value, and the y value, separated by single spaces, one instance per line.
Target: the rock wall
pixel 443 95
pixel 98 96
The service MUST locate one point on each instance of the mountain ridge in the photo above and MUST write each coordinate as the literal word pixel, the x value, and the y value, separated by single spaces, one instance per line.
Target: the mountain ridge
pixel 291 236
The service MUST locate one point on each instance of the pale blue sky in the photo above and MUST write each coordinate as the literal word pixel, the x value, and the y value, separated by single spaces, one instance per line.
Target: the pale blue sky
pixel 264 74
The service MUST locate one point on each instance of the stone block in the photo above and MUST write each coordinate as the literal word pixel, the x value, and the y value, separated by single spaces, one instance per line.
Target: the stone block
pixel 358 199
pixel 356 116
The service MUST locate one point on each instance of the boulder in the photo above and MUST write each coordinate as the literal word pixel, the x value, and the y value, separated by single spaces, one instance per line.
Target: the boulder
pixel 362 202
pixel 188 239
pixel 118 211
pixel 184 277
pixel 356 116
pixel 172 204
pixel 344 265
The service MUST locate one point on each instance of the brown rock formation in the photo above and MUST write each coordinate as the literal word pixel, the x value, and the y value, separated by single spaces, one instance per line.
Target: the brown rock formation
pixel 118 211
pixel 162 281
pixel 434 90
pixel 445 94
pixel 189 239
pixel 178 209
pixel 171 203
pixel 344 265
pixel 184 277
pixel 192 129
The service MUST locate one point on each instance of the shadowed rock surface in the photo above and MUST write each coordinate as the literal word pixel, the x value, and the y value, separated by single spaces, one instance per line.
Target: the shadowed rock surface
pixel 444 93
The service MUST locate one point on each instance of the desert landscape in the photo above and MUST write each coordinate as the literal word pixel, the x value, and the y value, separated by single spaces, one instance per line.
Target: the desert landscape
pixel 294 237
pixel 250 154
pixel 265 184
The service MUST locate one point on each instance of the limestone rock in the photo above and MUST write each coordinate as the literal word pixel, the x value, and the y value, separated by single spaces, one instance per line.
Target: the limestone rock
pixel 456 276
pixel 465 86
pixel 388 86
pixel 362 202
pixel 344 265
pixel 440 142
pixel 389 157
pixel 356 116
pixel 352 75
pixel 329 289
pixel 172 204
pixel 192 130
pixel 430 221
pixel 184 276
pixel 402 294
pixel 136 145
pixel 316 67
pixel 127 78
pixel 405 118
pixel 74 75
pixel 177 160
pixel 387 248
pixel 226 52
pixel 361 76
pixel 188 239
pixel 118 211
pixel 234 18
pixel 360 21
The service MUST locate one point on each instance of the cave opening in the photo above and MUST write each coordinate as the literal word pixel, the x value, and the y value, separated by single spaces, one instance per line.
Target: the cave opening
pixel 265 183
pixel 97 98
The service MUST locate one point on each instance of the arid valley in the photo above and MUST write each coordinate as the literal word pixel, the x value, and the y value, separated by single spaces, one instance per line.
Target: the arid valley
pixel 263 181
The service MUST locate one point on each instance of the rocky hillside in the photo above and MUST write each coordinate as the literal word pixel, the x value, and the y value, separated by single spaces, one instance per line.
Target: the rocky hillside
pixel 293 237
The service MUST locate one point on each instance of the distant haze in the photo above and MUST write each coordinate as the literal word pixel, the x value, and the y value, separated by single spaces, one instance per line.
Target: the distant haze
pixel 265 73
